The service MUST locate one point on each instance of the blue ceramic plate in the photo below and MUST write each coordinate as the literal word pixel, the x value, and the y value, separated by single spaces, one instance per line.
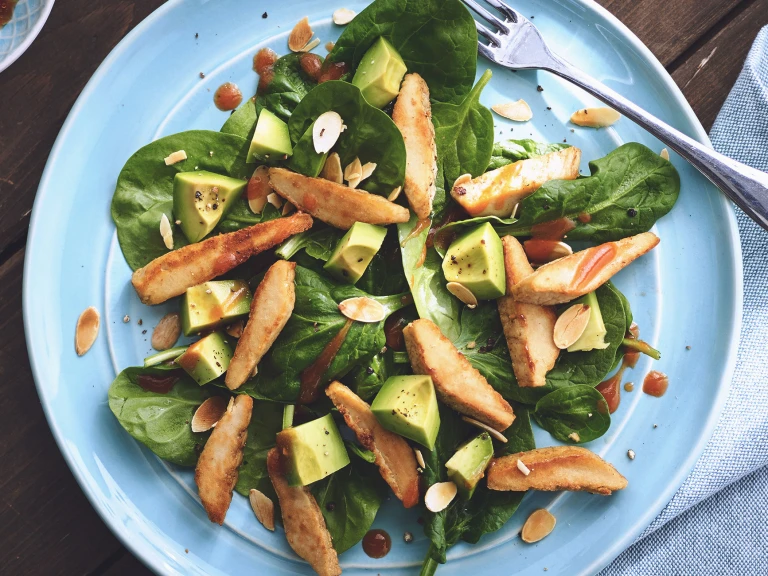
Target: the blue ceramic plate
pixel 685 293
pixel 16 36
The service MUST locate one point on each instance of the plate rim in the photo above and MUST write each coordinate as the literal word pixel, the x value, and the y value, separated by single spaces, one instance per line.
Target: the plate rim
pixel 16 53
pixel 150 557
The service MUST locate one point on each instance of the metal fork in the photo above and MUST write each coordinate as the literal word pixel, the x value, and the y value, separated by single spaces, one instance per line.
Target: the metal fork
pixel 517 44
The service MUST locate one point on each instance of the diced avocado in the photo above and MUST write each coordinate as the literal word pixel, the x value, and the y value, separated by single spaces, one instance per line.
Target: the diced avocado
pixel 206 359
pixel 380 73
pixel 593 337
pixel 355 251
pixel 312 451
pixel 305 160
pixel 201 198
pixel 270 138
pixel 407 405
pixel 213 304
pixel 467 466
pixel 476 260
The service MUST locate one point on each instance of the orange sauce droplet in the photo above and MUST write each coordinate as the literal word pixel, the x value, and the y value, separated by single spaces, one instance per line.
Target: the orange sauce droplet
pixel 418 229
pixel 6 11
pixel 655 383
pixel 227 97
pixel 611 391
pixel 377 543
pixel 312 375
pixel 554 229
pixel 592 263
pixel 539 250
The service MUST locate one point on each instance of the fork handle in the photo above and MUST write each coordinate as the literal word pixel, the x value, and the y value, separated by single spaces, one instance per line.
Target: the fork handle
pixel 747 187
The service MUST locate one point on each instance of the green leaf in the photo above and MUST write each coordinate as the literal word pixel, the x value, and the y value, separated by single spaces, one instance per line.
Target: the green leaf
pixel 576 409
pixel 514 150
pixel 160 421
pixel 318 243
pixel 266 422
pixel 243 121
pixel 435 38
pixel 360 452
pixel 367 379
pixel 289 85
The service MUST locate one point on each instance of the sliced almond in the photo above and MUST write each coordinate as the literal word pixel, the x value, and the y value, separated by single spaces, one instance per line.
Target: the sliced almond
pixel 288 208
pixel 367 169
pixel 395 194
pixel 329 46
pixel 538 526
pixel 362 309
pixel 209 413
pixel 167 332
pixel 343 16
pixel 332 169
pixel 599 117
pixel 258 189
pixel 175 157
pixel 495 433
pixel 518 111
pixel 311 46
pixel 353 170
pixel 574 436
pixel 354 182
pixel 664 154
pixel 264 509
pixel 166 232
pixel 523 468
pixel 326 131
pixel 462 293
pixel 463 179
pixel 514 211
pixel 439 495
pixel 87 330
pixel 300 35
pixel 571 325
pixel 419 458
pixel 275 200
pixel 235 329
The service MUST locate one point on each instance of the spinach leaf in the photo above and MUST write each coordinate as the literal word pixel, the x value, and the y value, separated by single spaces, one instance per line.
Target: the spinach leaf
pixel 289 85
pixel 448 233
pixel 576 409
pixel 360 452
pixel 243 121
pixel 318 243
pixel 628 191
pixel 464 134
pixel 384 275
pixel 266 422
pixel 144 190
pixel 315 321
pixel 349 500
pixel 370 135
pixel 436 38
pixel 514 150
pixel 367 379
pixel 160 421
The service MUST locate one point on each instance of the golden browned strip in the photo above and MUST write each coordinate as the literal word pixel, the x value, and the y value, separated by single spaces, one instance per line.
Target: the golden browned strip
pixel 413 115
pixel 456 381
pixel 305 527
pixel 171 274
pixel 528 328
pixel 498 191
pixel 394 457
pixel 572 276
pixel 216 472
pixel 335 204
pixel 271 308
pixel 555 468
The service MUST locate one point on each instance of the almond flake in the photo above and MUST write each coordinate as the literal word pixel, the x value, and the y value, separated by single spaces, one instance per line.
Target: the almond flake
pixel 166 232
pixel 287 209
pixel 366 170
pixel 522 467
pixel 538 526
pixel 599 117
pixel 332 169
pixel 353 170
pixel 326 131
pixel 571 325
pixel 439 495
pixel 167 332
pixel 354 182
pixel 574 436
pixel 518 111
pixel 87 330
pixel 495 433
pixel 462 293
pixel 463 179
pixel 311 46
pixel 329 46
pixel 175 157
pixel 300 35
pixel 514 211
pixel 665 154
pixel 209 413
pixel 362 309
pixel 275 200
pixel 235 329
pixel 395 194
pixel 343 16
pixel 419 458
pixel 258 189
pixel 264 509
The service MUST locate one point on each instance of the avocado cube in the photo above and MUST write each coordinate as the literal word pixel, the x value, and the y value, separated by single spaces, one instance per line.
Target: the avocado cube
pixel 270 138
pixel 201 198
pixel 476 260
pixel 593 337
pixel 213 304
pixel 355 251
pixel 312 451
pixel 467 466
pixel 206 359
pixel 407 405
pixel 380 73
pixel 305 159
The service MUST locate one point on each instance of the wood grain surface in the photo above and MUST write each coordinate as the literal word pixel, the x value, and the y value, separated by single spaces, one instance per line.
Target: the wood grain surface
pixel 46 524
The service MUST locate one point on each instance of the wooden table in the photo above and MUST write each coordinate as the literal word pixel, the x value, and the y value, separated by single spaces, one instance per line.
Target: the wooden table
pixel 46 524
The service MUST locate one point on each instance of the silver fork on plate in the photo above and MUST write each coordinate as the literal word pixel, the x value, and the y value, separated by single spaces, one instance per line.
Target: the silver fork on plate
pixel 517 44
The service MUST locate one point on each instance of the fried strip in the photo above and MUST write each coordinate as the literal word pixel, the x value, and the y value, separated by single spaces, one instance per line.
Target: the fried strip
pixel 456 381
pixel 528 328
pixel 413 115
pixel 171 274
pixel 394 457
pixel 555 468
pixel 271 308
pixel 305 527
pixel 582 272
pixel 216 471
pixel 335 204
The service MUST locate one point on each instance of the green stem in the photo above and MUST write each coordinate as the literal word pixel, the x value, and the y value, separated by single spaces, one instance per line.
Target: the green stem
pixel 641 346
pixel 288 415
pixel 400 357
pixel 429 566
pixel 164 356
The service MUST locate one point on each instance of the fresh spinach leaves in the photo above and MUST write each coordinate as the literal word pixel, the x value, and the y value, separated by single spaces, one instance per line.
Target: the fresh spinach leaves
pixel 573 414
pixel 514 150
pixel 266 422
pixel 242 122
pixel 318 243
